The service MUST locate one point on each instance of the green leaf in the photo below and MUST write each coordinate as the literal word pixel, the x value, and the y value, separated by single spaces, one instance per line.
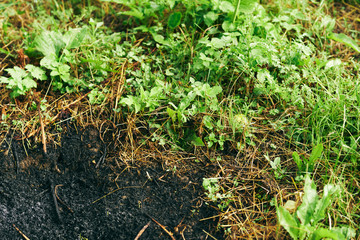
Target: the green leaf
pixel 134 12
pixel 322 233
pixel 172 114
pixel 226 7
pixel 247 6
pixel 159 38
pixel 288 222
pixel 74 37
pixel 210 18
pixel 28 83
pixel 195 140
pixel 49 43
pixel 212 92
pixel 17 73
pixel 174 19
pixel 348 41
pixel 330 192
pixel 131 101
pixel 36 72
pixel 6 52
pixel 316 153
pixel 298 161
pixel 306 210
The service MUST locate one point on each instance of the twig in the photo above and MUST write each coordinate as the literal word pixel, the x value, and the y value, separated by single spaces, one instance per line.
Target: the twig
pixel 163 228
pixel 42 130
pixel 142 230
pixel 52 188
pixel 21 233
pixel 62 202
pixel 209 235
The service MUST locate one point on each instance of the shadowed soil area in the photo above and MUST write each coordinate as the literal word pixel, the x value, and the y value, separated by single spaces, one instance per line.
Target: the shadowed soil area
pixel 85 199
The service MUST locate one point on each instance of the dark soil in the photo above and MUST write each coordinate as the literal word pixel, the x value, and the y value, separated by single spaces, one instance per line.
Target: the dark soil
pixel 95 201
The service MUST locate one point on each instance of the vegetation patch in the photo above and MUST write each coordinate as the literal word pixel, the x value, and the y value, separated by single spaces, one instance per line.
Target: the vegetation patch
pixel 261 98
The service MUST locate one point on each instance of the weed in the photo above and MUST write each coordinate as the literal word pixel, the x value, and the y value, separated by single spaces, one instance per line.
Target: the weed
pixel 305 222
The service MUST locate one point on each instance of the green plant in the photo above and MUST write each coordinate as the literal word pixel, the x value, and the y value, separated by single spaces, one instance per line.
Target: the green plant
pixel 305 222
pixel 57 55
pixel 213 189
pixel 276 166
pixel 22 81
pixel 307 165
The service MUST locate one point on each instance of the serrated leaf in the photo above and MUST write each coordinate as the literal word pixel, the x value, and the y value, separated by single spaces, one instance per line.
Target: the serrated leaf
pixel 4 80
pixel 74 37
pixel 174 19
pixel 348 41
pixel 17 73
pixel 36 72
pixel 28 83
pixel 306 210
pixel 288 221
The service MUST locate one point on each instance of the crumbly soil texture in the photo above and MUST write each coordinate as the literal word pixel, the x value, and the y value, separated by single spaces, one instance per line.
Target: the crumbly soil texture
pixel 73 192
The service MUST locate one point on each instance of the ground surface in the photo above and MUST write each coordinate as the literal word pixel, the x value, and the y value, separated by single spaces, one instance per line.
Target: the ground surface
pixel 93 202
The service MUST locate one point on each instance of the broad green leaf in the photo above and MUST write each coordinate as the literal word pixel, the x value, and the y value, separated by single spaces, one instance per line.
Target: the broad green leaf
pixel 159 39
pixel 207 121
pixel 246 6
pixel 288 221
pixel 174 19
pixel 74 37
pixel 226 7
pixel 348 41
pixel 322 233
pixel 210 18
pixel 316 153
pixel 214 91
pixel 131 101
pixel 195 140
pixel 50 62
pixel 306 210
pixel 228 26
pixel 330 193
pixel 218 43
pixel 49 43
